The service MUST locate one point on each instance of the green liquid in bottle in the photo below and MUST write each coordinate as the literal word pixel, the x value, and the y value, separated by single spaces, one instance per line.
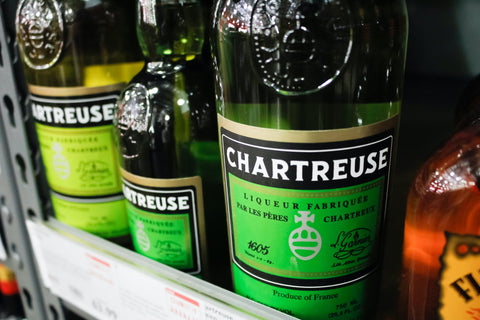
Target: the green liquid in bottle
pixel 167 139
pixel 77 56
pixel 308 98
pixel 171 30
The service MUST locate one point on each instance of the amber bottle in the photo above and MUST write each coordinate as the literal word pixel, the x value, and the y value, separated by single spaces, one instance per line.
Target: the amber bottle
pixel 441 251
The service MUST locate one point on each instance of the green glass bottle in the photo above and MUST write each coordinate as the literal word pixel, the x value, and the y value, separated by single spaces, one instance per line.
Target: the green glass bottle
pixel 308 100
pixel 168 144
pixel 77 56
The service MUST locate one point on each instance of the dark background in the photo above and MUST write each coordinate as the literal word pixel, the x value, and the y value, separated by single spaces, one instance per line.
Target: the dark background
pixel 443 55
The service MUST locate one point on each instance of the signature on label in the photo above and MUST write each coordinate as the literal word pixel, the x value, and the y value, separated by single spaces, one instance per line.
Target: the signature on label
pixel 352 243
pixel 94 170
pixel 169 249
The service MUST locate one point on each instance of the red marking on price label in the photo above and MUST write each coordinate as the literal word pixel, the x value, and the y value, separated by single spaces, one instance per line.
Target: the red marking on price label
pixel 183 297
pixel 98 260
pixel 182 307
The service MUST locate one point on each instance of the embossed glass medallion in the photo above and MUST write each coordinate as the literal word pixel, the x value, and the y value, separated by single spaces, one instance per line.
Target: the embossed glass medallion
pixel 298 47
pixel 40 30
pixel 133 109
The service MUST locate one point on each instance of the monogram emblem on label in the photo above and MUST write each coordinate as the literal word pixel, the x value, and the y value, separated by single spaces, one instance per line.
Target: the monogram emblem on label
pixel 305 242
pixel 299 47
pixel 40 32
pixel 60 162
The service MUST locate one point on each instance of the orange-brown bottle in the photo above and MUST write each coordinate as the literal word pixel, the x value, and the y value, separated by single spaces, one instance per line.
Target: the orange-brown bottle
pixel 441 251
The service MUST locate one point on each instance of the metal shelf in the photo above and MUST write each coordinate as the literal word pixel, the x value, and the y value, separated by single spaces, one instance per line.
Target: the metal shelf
pixel 20 198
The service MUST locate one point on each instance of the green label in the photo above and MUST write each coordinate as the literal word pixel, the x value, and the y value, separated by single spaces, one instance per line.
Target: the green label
pixel 105 218
pixel 76 141
pixel 164 220
pixel 293 219
pixel 344 303
pixel 306 215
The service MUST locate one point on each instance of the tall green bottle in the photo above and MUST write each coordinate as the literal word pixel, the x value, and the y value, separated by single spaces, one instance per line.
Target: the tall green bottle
pixel 168 144
pixel 308 99
pixel 77 56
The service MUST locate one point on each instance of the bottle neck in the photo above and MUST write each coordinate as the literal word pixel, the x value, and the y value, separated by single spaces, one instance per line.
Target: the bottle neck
pixel 457 163
pixel 163 66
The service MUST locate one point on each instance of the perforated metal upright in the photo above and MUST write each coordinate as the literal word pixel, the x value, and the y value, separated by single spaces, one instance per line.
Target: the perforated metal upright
pixel 21 182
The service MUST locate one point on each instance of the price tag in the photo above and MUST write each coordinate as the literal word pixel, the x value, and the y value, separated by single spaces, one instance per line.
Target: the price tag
pixel 112 289
pixel 79 275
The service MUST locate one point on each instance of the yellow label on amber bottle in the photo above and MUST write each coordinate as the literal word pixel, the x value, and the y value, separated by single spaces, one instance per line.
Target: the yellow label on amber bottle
pixel 459 279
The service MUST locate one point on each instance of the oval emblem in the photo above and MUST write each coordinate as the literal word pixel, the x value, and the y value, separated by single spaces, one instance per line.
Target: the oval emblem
pixel 39 28
pixel 132 109
pixel 299 47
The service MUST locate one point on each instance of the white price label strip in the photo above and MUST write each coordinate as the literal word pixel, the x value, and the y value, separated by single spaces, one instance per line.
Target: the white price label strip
pixel 78 275
pixel 3 250
pixel 110 289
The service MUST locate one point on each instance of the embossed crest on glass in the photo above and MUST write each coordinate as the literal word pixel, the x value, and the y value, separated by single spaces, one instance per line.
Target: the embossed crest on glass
pixel 299 47
pixel 40 28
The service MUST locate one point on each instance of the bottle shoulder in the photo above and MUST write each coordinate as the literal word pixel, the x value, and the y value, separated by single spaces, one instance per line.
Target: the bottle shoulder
pixel 453 168
pixel 81 41
pixel 444 196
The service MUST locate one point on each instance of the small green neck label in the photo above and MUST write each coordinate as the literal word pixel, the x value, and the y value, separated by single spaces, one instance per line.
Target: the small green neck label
pixel 165 216
pixel 306 216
